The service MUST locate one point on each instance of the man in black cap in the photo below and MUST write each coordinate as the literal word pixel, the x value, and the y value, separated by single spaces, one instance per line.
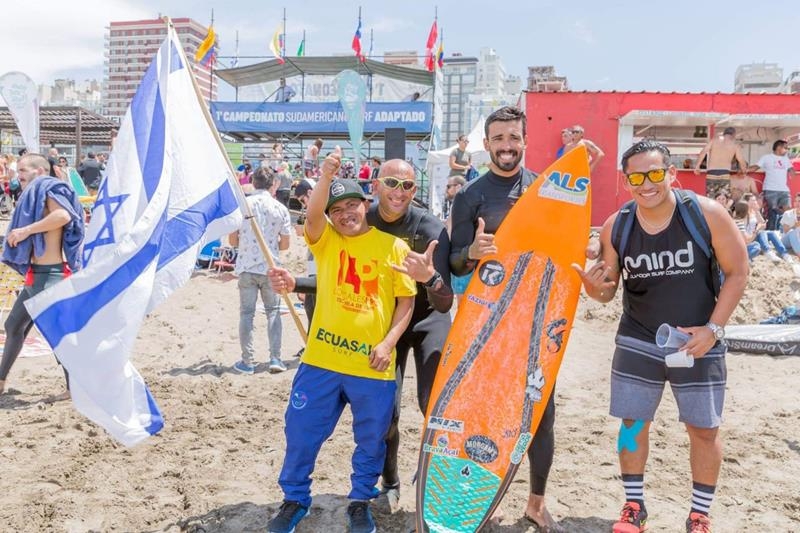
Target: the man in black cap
pixel 428 264
pixel 364 305
pixel 90 171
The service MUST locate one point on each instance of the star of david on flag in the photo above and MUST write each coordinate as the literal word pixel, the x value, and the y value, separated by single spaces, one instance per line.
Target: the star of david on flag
pixel 103 211
pixel 169 190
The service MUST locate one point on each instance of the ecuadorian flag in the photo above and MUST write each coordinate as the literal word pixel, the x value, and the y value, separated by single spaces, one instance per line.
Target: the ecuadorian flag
pixel 207 51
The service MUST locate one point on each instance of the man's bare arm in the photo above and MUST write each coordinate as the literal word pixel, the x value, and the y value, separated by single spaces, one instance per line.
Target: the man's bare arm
pixel 57 217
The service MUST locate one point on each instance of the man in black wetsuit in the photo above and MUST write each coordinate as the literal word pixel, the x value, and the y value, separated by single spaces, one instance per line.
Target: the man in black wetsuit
pixel 428 265
pixel 478 209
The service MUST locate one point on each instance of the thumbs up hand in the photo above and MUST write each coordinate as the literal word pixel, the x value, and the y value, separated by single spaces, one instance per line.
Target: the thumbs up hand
pixel 419 267
pixel 483 244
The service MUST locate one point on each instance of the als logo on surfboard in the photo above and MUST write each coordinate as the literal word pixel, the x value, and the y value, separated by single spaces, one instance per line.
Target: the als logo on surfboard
pixel 565 187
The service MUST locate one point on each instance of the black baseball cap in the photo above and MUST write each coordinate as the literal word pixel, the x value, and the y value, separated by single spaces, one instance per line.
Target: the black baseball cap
pixel 343 189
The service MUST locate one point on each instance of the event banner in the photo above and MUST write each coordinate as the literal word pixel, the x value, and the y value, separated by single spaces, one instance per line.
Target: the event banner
pixel 22 97
pixel 327 117
pixel 352 95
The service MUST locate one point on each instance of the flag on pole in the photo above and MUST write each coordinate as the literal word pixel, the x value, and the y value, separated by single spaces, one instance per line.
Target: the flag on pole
pixel 440 55
pixel 206 53
pixel 22 98
pixel 169 190
pixel 276 45
pixel 430 61
pixel 301 50
pixel 357 42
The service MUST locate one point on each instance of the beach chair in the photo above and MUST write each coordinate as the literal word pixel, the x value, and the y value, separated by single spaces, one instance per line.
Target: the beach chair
pixel 226 260
pixel 208 254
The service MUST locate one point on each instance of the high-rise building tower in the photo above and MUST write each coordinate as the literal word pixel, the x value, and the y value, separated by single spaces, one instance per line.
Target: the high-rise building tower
pixel 460 75
pixel 131 46
pixel 491 73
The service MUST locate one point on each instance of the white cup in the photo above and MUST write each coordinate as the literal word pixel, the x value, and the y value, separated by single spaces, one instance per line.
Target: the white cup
pixel 669 337
pixel 679 359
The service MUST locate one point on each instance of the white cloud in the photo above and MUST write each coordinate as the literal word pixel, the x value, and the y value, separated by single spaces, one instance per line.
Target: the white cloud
pixel 43 38
pixel 581 31
pixel 389 25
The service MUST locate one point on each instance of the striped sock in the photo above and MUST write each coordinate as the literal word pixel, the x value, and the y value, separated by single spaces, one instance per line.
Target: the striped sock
pixel 702 496
pixel 634 488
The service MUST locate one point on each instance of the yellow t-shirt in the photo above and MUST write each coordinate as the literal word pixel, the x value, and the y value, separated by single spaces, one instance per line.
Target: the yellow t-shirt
pixel 356 291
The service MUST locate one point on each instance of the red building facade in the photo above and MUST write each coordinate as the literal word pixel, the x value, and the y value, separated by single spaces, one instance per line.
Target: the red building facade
pixel 613 120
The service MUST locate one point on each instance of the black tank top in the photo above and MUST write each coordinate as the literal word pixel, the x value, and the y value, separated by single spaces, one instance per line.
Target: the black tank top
pixel 667 279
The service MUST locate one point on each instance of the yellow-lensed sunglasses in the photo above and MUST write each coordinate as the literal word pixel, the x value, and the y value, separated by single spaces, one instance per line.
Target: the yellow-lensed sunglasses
pixel 656 175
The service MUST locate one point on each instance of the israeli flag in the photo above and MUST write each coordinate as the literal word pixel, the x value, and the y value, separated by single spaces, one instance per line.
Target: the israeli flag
pixel 168 191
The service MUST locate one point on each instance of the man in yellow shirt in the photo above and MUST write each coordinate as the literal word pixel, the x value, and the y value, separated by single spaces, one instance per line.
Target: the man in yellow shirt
pixel 363 307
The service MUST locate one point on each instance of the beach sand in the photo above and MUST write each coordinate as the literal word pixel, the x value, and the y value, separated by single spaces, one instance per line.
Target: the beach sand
pixel 214 466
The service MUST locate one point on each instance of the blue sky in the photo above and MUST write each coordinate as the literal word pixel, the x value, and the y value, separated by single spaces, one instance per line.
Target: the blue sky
pixel 679 45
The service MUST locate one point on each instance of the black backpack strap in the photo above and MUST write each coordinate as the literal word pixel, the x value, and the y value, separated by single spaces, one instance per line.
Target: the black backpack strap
pixel 693 218
pixel 621 230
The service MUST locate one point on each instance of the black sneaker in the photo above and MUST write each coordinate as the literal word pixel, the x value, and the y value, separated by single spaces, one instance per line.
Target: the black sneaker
pixel 360 517
pixel 287 518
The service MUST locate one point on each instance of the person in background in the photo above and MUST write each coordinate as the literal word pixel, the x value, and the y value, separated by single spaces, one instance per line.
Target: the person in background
pixel 790 223
pixel 311 159
pixel 566 140
pixel 777 169
pixel 769 241
pixel 245 176
pixel 376 168
pixel 595 152
pixel 454 184
pixel 90 171
pixel 273 220
pixel 365 172
pixel 276 156
pixel 460 159
pixel 721 151
pixel 55 170
pixel 284 181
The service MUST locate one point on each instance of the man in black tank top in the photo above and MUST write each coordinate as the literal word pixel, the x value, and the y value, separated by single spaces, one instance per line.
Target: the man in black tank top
pixel 478 209
pixel 667 279
pixel 427 263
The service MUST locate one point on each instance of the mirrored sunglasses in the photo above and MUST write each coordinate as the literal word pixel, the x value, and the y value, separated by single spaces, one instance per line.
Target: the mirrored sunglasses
pixel 656 175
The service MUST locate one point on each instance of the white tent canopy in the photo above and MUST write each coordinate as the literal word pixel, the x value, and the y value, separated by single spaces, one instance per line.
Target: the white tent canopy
pixel 438 166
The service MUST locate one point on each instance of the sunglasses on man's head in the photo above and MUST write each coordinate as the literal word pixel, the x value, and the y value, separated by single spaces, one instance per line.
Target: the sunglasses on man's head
pixel 656 175
pixel 394 183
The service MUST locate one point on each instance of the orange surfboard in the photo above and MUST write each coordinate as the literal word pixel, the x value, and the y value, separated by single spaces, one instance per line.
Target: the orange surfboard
pixel 501 358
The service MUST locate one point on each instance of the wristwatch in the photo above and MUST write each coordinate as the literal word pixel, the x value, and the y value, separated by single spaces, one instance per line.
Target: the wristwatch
pixel 433 281
pixel 717 330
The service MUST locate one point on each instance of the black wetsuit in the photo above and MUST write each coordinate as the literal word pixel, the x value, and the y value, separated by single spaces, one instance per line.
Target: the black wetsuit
pixel 491 197
pixel 19 322
pixel 428 328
